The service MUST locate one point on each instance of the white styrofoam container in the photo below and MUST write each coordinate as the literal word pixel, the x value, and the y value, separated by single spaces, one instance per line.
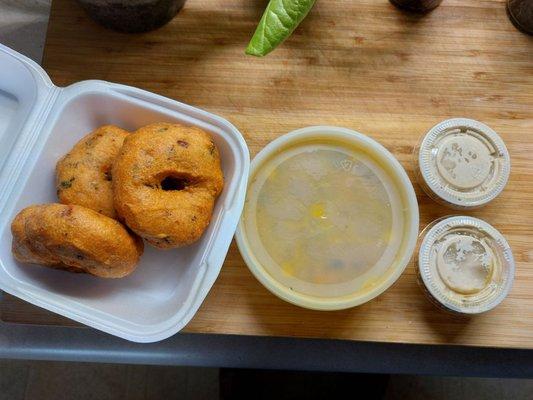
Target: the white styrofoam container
pixel 39 123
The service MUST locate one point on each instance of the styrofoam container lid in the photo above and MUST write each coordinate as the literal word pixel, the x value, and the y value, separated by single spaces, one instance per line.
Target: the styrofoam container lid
pixel 330 219
pixel 463 163
pixel 465 264
pixel 39 123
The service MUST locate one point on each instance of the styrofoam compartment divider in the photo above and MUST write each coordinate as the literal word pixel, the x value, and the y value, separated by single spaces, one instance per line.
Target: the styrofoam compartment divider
pixel 39 123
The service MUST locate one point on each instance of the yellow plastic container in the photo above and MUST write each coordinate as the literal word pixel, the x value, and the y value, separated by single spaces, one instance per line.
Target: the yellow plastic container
pixel 330 220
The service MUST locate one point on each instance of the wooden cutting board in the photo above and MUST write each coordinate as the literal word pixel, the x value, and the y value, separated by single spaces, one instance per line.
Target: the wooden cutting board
pixel 353 63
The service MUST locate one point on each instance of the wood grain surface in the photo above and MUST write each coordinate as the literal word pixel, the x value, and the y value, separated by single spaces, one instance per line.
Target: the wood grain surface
pixel 354 63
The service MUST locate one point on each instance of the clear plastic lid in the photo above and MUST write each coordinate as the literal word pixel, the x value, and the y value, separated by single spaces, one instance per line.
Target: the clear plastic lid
pixel 328 218
pixel 463 163
pixel 465 264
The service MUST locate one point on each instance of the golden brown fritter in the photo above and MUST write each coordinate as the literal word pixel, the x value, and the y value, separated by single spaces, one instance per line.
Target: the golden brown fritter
pixel 22 247
pixel 166 179
pixel 74 238
pixel 84 173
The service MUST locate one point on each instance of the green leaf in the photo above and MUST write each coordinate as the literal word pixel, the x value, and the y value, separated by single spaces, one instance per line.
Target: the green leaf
pixel 280 19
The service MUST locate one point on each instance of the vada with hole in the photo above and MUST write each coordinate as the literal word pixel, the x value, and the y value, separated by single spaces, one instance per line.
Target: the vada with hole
pixel 166 179
pixel 83 175
pixel 76 239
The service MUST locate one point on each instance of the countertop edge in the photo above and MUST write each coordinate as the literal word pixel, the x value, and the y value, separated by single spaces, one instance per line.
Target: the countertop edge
pixel 235 351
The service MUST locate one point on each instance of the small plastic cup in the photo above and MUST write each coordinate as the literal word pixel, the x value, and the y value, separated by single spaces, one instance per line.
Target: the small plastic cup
pixel 132 15
pixel 465 266
pixel 462 163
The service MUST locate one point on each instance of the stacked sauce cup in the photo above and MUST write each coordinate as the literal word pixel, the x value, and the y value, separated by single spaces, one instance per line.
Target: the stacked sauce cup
pixel 465 265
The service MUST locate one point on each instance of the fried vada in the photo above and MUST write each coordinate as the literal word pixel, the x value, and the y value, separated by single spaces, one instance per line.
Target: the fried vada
pixel 83 175
pixel 74 238
pixel 166 179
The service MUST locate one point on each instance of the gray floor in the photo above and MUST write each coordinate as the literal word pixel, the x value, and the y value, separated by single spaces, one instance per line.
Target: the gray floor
pixel 23 27
pixel 406 387
pixel 24 380
pixel 39 380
